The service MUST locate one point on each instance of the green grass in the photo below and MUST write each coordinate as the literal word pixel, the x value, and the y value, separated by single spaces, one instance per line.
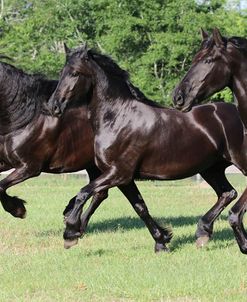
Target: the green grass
pixel 115 260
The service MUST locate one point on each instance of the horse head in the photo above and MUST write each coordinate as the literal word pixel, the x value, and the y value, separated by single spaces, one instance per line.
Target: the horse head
pixel 74 81
pixel 211 70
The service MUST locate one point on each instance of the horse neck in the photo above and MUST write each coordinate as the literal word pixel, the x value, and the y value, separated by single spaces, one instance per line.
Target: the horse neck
pixel 100 88
pixel 239 88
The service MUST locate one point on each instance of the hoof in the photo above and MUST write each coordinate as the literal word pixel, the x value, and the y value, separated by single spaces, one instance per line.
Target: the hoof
pixel 202 241
pixel 20 213
pixel 69 243
pixel 243 250
pixel 24 215
pixel 160 247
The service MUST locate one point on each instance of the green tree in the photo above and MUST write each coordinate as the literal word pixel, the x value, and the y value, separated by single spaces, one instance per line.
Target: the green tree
pixel 154 40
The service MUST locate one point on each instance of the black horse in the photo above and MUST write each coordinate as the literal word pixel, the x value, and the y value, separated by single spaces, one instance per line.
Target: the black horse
pixel 136 137
pixel 33 141
pixel 221 62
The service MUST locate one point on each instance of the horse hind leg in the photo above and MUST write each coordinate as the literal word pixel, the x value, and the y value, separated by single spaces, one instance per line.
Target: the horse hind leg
pixel 161 236
pixel 216 178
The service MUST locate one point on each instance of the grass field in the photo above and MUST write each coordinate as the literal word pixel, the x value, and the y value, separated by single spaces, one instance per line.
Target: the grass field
pixel 115 260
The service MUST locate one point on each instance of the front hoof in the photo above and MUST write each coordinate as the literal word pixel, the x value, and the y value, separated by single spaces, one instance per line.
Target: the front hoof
pixel 160 247
pixel 69 243
pixel 202 241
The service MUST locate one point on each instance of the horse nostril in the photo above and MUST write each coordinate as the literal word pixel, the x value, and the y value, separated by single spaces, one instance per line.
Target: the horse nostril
pixel 56 109
pixel 179 100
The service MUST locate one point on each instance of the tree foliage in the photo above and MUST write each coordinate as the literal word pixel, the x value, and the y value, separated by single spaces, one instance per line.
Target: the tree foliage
pixel 154 40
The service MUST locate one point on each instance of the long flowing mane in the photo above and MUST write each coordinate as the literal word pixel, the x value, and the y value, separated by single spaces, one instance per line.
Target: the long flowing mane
pixel 22 96
pixel 36 87
pixel 112 68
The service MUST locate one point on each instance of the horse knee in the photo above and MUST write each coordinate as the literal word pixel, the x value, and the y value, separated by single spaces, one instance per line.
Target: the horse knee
pixel 102 195
pixel 230 194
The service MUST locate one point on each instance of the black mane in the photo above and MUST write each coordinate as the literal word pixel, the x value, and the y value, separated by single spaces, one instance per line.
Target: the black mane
pixel 22 96
pixel 112 68
pixel 238 42
pixel 36 86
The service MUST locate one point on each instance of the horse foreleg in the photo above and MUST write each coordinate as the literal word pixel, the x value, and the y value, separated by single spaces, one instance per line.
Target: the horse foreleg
pixel 12 204
pixel 93 173
pixel 73 223
pixel 236 221
pixel 226 193
pixel 95 203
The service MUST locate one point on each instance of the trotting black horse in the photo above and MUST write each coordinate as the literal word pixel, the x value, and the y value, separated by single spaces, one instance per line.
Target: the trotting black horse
pixel 221 62
pixel 136 137
pixel 33 141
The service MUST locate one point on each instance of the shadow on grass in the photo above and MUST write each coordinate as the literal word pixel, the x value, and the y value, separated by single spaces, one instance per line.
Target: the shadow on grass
pixel 222 237
pixel 131 223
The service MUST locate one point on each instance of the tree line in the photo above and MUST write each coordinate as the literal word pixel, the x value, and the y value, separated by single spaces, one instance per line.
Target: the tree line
pixel 154 40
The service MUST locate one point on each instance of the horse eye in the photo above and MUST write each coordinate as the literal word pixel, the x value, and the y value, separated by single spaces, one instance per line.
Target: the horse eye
pixel 208 60
pixel 75 74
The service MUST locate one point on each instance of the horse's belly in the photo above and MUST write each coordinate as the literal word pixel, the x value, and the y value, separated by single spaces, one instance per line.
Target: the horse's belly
pixel 185 165
pixel 71 162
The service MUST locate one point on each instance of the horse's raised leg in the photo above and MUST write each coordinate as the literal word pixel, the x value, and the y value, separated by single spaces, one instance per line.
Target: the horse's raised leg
pixel 69 207
pixel 93 173
pixel 236 221
pixel 72 222
pixel 95 203
pixel 131 192
pixel 12 204
pixel 216 178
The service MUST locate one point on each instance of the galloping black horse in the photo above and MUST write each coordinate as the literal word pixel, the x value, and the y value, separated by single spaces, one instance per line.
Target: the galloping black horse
pixel 32 141
pixel 221 62
pixel 136 137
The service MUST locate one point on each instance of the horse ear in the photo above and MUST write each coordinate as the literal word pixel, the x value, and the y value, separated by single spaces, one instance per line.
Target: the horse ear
pixel 66 48
pixel 217 37
pixel 204 34
pixel 84 51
